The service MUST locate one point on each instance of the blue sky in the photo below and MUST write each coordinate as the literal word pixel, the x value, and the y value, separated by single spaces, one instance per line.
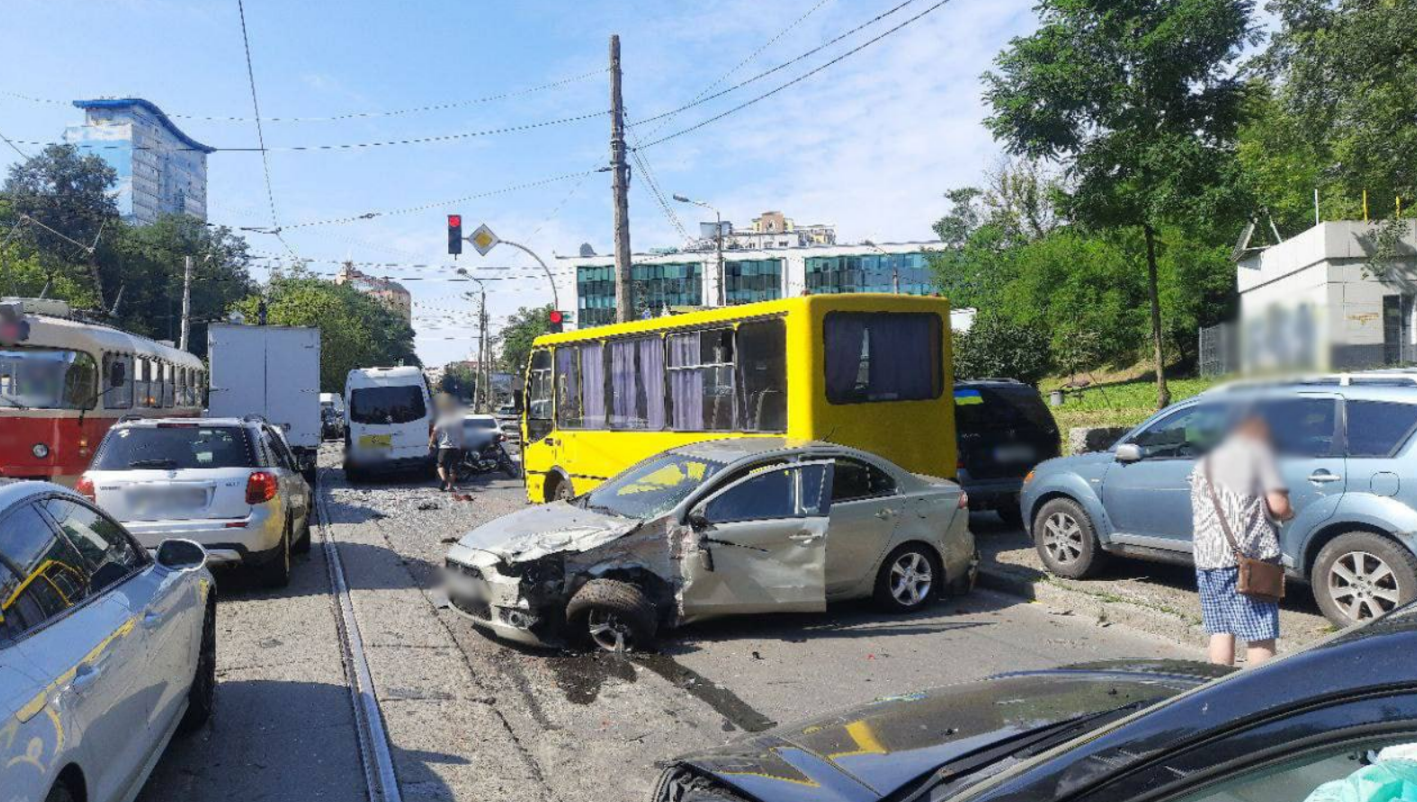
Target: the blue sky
pixel 869 144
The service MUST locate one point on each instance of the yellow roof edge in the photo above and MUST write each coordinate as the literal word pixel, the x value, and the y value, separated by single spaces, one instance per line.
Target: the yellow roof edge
pixel 843 301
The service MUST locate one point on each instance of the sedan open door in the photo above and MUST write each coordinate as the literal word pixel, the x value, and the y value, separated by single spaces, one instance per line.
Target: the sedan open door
pixel 761 544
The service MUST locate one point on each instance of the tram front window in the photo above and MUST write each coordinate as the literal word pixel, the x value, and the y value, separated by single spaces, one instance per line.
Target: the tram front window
pixel 33 378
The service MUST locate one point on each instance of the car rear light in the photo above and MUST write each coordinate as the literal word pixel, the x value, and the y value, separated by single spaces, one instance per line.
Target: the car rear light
pixel 1028 477
pixel 84 487
pixel 260 488
pixel 963 500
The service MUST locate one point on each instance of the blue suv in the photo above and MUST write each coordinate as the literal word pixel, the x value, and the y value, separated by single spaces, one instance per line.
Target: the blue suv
pixel 1346 452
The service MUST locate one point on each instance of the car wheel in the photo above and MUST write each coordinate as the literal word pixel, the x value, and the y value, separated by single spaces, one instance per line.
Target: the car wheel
pixel 60 793
pixel 302 543
pixel 1011 514
pixel 612 616
pixel 560 490
pixel 909 579
pixel 352 474
pixel 509 467
pixel 1067 541
pixel 1360 576
pixel 201 697
pixel 276 572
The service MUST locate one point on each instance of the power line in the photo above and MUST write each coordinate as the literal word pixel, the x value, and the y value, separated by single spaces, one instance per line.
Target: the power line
pixel 804 76
pixel 14 147
pixel 260 133
pixel 664 206
pixel 819 48
pixel 350 115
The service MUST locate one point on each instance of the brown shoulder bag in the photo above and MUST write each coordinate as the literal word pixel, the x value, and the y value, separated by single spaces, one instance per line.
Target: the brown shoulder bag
pixel 1260 580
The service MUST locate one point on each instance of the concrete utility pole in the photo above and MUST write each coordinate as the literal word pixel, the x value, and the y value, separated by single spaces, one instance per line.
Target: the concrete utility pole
pixel 186 302
pixel 624 291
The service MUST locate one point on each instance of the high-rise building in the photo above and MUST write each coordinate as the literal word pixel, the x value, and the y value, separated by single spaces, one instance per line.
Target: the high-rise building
pixel 389 292
pixel 160 169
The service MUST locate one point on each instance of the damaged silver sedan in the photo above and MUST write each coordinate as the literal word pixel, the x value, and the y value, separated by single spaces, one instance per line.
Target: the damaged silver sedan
pixel 750 525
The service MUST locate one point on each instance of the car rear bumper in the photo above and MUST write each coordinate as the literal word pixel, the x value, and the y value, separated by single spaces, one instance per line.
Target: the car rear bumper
pixel 990 494
pixel 227 540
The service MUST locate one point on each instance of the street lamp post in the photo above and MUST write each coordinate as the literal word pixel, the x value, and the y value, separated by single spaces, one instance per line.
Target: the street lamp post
pixel 895 268
pixel 718 247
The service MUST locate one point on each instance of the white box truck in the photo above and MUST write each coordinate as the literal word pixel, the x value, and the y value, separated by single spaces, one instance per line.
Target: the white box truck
pixel 271 371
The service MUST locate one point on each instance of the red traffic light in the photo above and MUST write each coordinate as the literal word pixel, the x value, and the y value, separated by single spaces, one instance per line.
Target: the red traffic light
pixel 455 220
pixel 557 316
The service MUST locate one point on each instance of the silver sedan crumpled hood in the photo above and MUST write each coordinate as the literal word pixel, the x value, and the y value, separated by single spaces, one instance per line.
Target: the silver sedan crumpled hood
pixel 535 532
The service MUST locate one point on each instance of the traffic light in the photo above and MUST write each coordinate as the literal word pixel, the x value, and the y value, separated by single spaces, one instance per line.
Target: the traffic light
pixel 454 234
pixel 554 321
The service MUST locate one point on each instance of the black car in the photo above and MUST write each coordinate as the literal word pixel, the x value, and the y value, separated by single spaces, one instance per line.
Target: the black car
pixel 1003 429
pixel 1107 732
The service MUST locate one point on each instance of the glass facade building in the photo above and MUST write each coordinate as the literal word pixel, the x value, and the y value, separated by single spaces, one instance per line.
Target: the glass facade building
pixel 656 286
pixel 752 280
pixel 873 272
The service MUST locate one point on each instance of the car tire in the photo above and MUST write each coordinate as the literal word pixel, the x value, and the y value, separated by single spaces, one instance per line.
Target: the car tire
pixel 910 578
pixel 302 543
pixel 275 573
pixel 201 697
pixel 612 616
pixel 352 474
pixel 60 793
pixel 1067 540
pixel 561 490
pixel 1011 515
pixel 509 467
pixel 1362 573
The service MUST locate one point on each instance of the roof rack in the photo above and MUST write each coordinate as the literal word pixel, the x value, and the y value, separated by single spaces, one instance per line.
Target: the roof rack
pixel 129 418
pixel 254 418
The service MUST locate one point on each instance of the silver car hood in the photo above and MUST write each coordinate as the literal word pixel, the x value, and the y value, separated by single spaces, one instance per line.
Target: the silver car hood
pixel 535 532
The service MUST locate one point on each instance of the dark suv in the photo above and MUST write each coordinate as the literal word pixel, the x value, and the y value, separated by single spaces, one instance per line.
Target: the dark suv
pixel 1003 430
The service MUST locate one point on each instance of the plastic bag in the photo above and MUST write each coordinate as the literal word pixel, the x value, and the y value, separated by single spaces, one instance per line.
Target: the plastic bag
pixel 1393 778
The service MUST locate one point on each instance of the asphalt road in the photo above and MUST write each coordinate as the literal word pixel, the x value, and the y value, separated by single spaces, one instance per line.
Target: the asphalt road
pixel 472 718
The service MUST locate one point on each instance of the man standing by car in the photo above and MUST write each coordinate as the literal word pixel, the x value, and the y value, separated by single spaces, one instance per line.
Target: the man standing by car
pixel 447 437
pixel 1239 480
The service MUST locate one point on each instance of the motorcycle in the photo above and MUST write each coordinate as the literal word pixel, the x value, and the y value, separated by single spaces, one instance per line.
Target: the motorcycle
pixel 490 457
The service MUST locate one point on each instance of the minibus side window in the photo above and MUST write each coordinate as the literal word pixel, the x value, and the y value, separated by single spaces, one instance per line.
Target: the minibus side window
pixel 637 384
pixel 882 356
pixel 538 396
pixel 701 381
pixel 762 375
pixel 568 387
pixel 592 364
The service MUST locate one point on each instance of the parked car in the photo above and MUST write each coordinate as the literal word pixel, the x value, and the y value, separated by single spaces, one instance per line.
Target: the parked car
pixel 389 417
pixel 1337 721
pixel 722 527
pixel 105 651
pixel 229 484
pixel 1346 453
pixel 1003 430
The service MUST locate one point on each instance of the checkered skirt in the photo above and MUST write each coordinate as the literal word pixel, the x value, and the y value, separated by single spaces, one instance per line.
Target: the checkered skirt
pixel 1226 611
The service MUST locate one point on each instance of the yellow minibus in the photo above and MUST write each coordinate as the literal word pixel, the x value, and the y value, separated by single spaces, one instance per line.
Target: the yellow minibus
pixel 871 371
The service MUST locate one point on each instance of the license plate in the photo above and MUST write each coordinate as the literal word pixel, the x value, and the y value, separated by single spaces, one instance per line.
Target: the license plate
pixel 168 500
pixel 376 441
pixel 1013 453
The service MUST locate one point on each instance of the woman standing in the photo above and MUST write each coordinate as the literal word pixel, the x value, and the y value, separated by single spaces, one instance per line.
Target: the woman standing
pixel 1240 481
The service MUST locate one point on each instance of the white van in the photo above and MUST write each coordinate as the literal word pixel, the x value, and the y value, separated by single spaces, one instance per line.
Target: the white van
pixel 388 418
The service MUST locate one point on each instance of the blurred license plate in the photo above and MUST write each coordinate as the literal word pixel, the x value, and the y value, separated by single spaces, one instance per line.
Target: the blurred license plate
pixel 1014 453
pixel 168 500
pixel 376 441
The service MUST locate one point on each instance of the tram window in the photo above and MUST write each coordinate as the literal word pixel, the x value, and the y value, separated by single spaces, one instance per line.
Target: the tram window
pixel 168 385
pixel 762 373
pixel 701 380
pixel 81 382
pixel 882 356
pixel 117 381
pixel 637 384
pixel 143 387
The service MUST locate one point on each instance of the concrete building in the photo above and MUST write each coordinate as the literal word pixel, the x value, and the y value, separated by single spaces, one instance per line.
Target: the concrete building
pixel 160 169
pixel 669 281
pixel 1318 302
pixel 391 293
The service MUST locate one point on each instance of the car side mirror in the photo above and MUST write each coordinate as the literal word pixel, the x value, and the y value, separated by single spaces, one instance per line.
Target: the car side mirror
pixel 1129 452
pixel 177 554
pixel 697 520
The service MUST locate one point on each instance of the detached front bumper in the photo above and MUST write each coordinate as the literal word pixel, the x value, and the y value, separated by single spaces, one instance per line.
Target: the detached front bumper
pixel 480 593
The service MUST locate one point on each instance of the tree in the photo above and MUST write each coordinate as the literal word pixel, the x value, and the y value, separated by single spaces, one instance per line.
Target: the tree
pixel 1141 100
pixel 356 330
pixel 996 348
pixel 522 327
pixel 68 196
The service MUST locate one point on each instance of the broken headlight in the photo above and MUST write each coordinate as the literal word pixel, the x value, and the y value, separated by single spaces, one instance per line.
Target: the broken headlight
pixel 536 572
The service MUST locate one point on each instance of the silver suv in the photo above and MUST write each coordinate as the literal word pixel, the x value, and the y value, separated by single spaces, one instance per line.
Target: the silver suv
pixel 230 484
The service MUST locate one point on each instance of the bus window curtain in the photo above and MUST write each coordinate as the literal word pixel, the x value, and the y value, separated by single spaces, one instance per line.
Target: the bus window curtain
pixel 843 338
pixel 686 387
pixel 900 366
pixel 593 382
pixel 623 407
pixel 651 383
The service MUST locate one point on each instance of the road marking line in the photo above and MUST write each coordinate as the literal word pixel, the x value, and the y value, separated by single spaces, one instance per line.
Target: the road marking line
pixel 374 751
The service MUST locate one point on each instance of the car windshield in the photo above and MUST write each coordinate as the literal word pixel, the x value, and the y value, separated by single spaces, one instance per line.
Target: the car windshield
pixel 174 447
pixel 652 487
pixel 386 405
pixel 34 378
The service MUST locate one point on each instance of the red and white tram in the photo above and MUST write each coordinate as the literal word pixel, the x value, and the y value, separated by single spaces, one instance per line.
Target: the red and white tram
pixel 64 382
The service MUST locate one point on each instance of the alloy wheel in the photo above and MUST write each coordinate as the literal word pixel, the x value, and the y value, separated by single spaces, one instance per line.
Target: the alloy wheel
pixel 911 579
pixel 1363 585
pixel 609 632
pixel 1062 538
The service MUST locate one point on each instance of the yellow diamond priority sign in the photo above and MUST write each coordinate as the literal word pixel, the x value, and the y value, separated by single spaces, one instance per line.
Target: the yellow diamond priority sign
pixel 483 239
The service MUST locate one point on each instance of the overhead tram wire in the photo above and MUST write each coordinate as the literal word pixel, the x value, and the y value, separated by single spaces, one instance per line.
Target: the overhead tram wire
pixel 260 132
pixel 643 164
pixel 819 48
pixel 13 146
pixel 804 76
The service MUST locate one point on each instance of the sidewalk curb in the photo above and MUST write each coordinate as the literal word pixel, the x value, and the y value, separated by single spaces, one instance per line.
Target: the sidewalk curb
pixel 1106 608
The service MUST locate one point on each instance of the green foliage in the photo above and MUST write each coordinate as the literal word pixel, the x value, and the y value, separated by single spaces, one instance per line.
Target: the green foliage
pixel 996 348
pixel 460 379
pixel 356 331
pixel 524 326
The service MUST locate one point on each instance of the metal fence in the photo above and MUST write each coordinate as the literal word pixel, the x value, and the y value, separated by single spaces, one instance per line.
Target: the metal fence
pixel 1219 350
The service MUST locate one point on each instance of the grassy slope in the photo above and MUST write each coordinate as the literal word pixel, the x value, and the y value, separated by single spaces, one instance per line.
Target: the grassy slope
pixel 1121 404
